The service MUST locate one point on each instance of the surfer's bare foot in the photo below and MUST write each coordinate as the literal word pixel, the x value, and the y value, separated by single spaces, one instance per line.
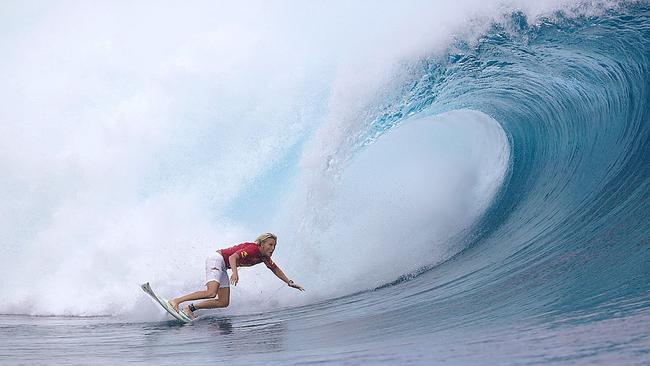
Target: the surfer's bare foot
pixel 173 304
pixel 188 312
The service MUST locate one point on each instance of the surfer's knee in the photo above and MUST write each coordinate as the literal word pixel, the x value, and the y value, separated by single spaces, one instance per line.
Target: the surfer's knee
pixel 213 289
pixel 224 297
pixel 211 293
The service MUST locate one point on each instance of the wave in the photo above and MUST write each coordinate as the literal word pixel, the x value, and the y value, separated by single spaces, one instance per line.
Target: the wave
pixel 524 177
pixel 568 231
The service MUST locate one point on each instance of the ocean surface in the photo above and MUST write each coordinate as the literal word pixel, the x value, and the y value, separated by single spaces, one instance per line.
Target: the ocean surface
pixel 458 186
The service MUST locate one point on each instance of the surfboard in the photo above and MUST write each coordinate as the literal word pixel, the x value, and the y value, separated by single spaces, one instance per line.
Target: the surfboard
pixel 165 305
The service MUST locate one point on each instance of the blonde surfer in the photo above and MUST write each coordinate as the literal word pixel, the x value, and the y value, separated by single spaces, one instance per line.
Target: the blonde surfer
pixel 216 276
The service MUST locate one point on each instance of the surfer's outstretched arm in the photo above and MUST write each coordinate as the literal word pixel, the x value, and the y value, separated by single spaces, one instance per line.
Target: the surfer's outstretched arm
pixel 278 272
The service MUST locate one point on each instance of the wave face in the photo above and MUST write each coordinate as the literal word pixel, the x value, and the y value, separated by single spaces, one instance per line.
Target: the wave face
pixel 562 250
pixel 568 232
pixel 489 201
pixel 567 235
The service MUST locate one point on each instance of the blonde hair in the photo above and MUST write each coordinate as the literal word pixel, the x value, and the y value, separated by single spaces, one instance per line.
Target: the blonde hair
pixel 260 239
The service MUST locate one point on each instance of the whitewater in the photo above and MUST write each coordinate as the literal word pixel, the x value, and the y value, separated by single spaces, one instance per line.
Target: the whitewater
pixel 453 184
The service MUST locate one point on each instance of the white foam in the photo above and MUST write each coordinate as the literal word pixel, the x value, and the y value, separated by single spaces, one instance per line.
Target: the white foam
pixel 398 204
pixel 131 132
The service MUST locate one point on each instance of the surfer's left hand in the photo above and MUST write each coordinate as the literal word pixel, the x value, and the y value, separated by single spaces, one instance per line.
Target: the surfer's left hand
pixel 296 286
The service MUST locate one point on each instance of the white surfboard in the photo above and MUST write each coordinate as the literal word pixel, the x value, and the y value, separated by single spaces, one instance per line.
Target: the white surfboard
pixel 165 305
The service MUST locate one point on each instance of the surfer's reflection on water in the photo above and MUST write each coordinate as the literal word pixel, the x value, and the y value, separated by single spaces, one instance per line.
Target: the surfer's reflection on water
pixel 221 326
pixel 266 337
pixel 223 338
pixel 237 334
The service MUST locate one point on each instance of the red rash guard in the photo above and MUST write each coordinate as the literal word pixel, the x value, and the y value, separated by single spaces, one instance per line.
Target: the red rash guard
pixel 249 255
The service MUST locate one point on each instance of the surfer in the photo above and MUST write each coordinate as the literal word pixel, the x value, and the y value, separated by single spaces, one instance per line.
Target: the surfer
pixel 216 277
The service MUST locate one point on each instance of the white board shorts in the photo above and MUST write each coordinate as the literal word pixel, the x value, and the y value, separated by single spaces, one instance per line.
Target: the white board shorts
pixel 215 270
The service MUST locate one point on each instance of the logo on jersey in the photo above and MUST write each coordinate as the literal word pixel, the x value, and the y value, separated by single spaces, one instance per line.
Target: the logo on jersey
pixel 243 254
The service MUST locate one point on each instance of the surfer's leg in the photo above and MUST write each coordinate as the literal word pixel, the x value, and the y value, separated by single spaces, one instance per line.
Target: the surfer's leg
pixel 215 273
pixel 210 292
pixel 222 300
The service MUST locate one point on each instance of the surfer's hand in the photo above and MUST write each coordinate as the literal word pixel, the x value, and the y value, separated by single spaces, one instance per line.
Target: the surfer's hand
pixel 296 286
pixel 234 279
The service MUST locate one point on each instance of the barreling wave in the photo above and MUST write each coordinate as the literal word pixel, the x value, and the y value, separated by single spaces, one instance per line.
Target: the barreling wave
pixel 568 231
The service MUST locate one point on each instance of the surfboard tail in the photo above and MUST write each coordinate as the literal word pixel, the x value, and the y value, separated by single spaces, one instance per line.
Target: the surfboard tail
pixel 179 315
